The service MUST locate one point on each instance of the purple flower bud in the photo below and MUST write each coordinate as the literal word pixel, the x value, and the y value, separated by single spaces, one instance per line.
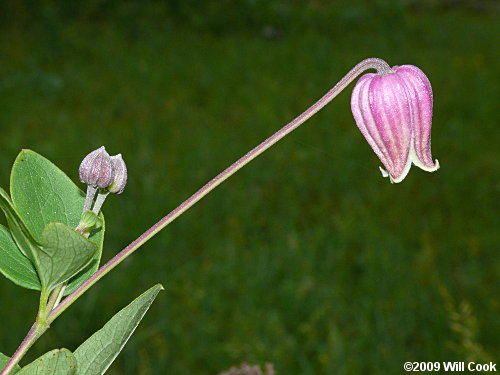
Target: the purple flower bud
pixel 96 169
pixel 120 175
pixel 394 113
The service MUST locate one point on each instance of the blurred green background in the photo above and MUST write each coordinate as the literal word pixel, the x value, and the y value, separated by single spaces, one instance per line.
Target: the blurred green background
pixel 307 258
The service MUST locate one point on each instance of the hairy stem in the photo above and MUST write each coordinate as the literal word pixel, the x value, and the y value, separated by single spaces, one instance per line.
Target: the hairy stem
pixel 37 330
pixel 89 198
pixel 99 202
pixel 373 63
pixel 28 341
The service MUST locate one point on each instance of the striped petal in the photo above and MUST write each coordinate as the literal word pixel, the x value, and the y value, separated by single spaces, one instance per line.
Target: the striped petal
pixel 419 92
pixel 382 112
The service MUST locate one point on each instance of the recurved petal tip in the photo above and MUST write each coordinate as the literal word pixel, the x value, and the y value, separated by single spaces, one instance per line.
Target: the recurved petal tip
pixel 394 113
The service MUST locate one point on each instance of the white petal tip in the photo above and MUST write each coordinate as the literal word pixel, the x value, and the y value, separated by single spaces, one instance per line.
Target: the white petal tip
pixel 424 167
pixel 384 172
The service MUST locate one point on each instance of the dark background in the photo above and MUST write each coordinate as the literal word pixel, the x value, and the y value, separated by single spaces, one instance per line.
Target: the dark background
pixel 307 258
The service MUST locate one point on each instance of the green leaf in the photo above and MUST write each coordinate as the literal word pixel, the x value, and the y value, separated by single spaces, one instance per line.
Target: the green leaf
pixel 97 237
pixel 64 253
pixel 20 232
pixel 55 362
pixel 14 265
pixel 3 361
pixel 42 194
pixel 96 354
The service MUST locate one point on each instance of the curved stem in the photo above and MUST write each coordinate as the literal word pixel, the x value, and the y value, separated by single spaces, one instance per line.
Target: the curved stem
pixel 38 329
pixel 21 351
pixel 34 333
pixel 372 63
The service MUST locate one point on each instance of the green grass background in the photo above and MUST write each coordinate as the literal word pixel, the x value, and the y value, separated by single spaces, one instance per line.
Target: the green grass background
pixel 307 258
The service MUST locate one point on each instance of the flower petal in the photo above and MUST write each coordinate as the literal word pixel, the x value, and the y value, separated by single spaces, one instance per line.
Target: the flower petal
pixel 382 112
pixel 391 111
pixel 419 91
pixel 361 111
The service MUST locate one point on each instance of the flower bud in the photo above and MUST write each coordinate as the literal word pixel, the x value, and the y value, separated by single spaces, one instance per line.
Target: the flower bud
pixel 88 221
pixel 120 175
pixel 96 169
pixel 394 113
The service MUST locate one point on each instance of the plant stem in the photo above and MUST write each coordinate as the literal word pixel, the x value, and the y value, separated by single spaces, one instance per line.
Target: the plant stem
pixel 56 296
pixel 29 340
pixel 372 63
pixel 34 333
pixel 37 330
pixel 89 198
pixel 99 202
pixel 45 306
pixel 43 310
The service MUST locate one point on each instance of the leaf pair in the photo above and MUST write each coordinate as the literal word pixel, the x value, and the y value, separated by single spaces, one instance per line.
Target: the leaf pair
pixel 41 248
pixel 96 354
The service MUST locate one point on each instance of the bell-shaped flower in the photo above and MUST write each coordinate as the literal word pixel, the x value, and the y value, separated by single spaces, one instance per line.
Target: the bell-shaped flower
pixel 96 169
pixel 394 113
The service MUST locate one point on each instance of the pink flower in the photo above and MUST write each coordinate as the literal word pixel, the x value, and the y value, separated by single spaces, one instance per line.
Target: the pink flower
pixel 394 113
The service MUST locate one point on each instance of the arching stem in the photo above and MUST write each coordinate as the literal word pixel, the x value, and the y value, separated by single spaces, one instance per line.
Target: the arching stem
pixel 372 63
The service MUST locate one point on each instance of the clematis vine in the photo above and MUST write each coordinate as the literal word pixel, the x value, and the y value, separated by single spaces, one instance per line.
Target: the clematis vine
pixel 394 113
pixel 392 108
